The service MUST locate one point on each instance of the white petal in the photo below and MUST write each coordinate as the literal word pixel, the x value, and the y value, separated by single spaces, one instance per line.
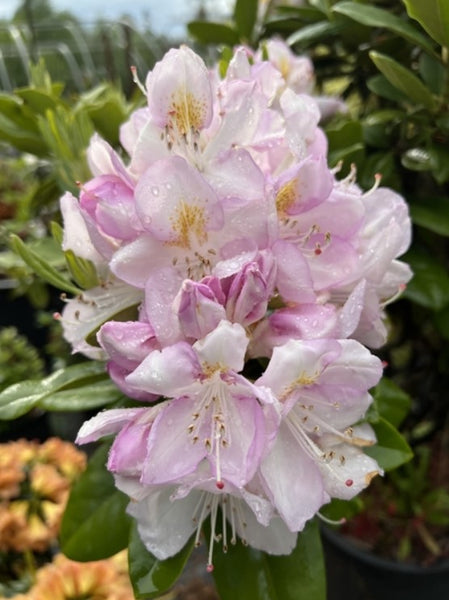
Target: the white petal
pixel 165 525
pixel 225 345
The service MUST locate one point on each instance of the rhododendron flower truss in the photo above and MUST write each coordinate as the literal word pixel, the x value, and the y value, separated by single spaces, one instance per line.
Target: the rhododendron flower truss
pixel 239 281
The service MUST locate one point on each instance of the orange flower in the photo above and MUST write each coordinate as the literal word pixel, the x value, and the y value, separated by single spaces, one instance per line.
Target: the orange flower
pixel 35 482
pixel 64 579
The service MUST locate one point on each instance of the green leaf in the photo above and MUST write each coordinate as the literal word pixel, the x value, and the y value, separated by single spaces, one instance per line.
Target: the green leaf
pixel 20 398
pixel 432 213
pixel 382 87
pixel 372 16
pixel 149 576
pixel 441 319
pixel 85 397
pixel 95 524
pixel 404 80
pixel 430 284
pixel 41 267
pixel 245 16
pixel 391 449
pixel 417 159
pixel 297 576
pixel 433 16
pixel 213 33
pixel 37 100
pixel 392 403
pixel 433 73
pixel 345 142
pixel 315 31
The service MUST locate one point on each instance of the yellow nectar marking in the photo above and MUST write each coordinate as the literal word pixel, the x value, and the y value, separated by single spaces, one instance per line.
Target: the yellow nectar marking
pixel 187 112
pixel 188 220
pixel 286 197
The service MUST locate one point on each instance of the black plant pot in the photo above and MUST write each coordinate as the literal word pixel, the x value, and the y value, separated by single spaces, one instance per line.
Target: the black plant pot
pixel 353 574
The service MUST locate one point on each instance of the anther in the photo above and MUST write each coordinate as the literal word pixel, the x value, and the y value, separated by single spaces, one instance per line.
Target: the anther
pixel 349 482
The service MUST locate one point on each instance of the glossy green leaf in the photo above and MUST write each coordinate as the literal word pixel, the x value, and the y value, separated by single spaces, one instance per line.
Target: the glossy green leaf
pixel 149 576
pixel 314 32
pixel 95 524
pixel 432 213
pixel 245 15
pixel 324 6
pixel 378 17
pixel 85 397
pixel 392 403
pixel 391 449
pixel 20 398
pixel 417 159
pixel 41 267
pixel 213 33
pixel 430 284
pixel 433 73
pixel 433 16
pixel 382 87
pixel 404 80
pixel 297 576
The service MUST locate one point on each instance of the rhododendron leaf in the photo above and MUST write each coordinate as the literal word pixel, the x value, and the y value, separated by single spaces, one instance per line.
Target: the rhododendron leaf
pixel 430 284
pixel 85 397
pixel 41 267
pixel 151 577
pixel 245 15
pixel 213 33
pixel 314 32
pixel 391 449
pixel 95 524
pixel 391 401
pixel 297 576
pixel 404 80
pixel 378 17
pixel 433 15
pixel 20 398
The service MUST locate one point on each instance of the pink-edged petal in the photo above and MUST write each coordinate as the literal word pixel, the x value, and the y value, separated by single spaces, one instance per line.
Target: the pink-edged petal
pixel 179 92
pixel 176 204
pixel 168 371
pixel 172 452
pixel 161 289
pixel 355 368
pixel 135 261
pixel 106 423
pixel 293 274
pixel 293 481
pixel 236 177
pixel 240 458
pixel 129 450
pixel 303 322
pixel 298 363
pixel 127 342
pixel 198 309
pixel 148 148
pixel 119 374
